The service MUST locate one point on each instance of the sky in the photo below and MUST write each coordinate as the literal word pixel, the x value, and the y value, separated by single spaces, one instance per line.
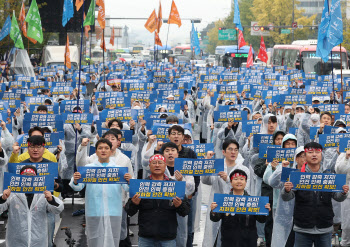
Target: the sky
pixel 207 10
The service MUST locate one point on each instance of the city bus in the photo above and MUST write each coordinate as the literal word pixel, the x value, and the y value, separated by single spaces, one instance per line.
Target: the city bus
pixel 137 49
pixel 303 56
pixel 186 51
pixel 231 56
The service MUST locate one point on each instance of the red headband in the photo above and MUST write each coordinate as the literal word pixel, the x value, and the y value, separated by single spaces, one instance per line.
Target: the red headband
pixel 157 157
pixel 28 170
pixel 312 150
pixel 237 175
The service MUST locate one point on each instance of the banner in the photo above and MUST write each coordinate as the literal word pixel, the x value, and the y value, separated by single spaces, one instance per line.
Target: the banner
pixel 251 129
pixel 280 154
pixel 199 167
pixel 120 114
pixel 102 175
pixel 318 181
pixel 69 105
pixel 51 109
pixel 116 102
pixel 80 118
pixel 264 147
pixel 344 145
pixel 28 184
pixel 31 120
pixel 157 189
pixel 250 205
pixel 43 169
pixel 332 140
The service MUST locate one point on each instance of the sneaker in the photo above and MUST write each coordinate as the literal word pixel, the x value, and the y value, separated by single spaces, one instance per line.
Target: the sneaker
pixel 260 242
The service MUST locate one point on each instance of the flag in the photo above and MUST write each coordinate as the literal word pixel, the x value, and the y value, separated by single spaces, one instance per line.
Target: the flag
pixel 335 31
pixel 90 17
pixel 237 17
pixel 262 51
pixel 103 43
pixel 15 33
pixel 5 28
pixel 157 39
pixel 98 32
pixel 22 17
pixel 241 41
pixel 250 57
pixel 101 13
pixel 151 23
pixel 323 45
pixel 68 11
pixel 78 4
pixel 160 18
pixel 35 30
pixel 111 40
pixel 67 55
pixel 174 17
pixel 86 29
pixel 195 41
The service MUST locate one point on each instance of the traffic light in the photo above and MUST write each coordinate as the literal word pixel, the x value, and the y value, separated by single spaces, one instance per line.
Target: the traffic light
pixel 222 28
pixel 264 28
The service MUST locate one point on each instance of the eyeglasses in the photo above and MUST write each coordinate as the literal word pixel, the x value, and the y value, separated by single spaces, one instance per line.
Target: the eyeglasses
pixel 37 147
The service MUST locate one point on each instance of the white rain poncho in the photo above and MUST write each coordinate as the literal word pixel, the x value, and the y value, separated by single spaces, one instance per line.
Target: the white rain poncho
pixel 218 185
pixel 28 227
pixel 103 210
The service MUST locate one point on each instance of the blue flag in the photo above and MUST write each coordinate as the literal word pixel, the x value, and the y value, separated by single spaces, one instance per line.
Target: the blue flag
pixel 68 11
pixel 237 17
pixel 323 46
pixel 335 31
pixel 6 28
pixel 195 41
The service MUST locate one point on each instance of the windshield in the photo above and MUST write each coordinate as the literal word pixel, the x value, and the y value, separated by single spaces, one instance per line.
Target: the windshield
pixel 313 64
pixel 137 48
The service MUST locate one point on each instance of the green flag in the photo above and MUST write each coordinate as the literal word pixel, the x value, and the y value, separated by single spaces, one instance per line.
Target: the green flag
pixel 90 17
pixel 15 33
pixel 34 23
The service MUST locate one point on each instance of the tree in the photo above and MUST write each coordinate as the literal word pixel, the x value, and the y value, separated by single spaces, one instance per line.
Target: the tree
pixel 279 12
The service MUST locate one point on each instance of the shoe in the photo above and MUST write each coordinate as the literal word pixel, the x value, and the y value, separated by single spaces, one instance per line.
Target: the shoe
pixel 78 212
pixel 260 242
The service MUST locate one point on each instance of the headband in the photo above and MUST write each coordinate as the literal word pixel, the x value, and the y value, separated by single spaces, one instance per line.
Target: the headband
pixel 312 150
pixel 157 157
pixel 28 170
pixel 77 111
pixel 235 175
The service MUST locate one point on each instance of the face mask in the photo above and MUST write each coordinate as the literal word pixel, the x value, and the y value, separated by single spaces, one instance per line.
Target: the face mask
pixel 137 107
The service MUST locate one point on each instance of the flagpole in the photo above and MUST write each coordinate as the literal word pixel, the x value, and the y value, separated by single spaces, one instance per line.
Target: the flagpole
pixel 167 36
pixel 103 54
pixel 341 74
pixel 90 41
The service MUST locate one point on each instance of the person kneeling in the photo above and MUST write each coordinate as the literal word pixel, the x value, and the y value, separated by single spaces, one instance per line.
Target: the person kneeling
pixel 238 230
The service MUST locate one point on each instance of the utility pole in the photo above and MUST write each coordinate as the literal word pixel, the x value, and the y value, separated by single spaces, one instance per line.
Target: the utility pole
pixel 293 22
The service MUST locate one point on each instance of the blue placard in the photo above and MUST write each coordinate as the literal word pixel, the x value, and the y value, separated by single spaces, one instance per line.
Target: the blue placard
pixel 236 116
pixel 51 109
pixel 326 182
pixel 286 173
pixel 61 90
pixel 116 102
pixel 201 149
pixel 344 145
pixel 157 189
pixel 102 175
pixel 262 139
pixel 293 131
pixel 263 149
pixel 343 116
pixel 51 140
pixel 332 140
pixel 43 169
pixel 250 205
pixel 28 184
pixel 280 154
pixel 41 120
pixel 251 129
pixel 199 167
pixel 80 118
pixel 69 105
pixel 120 114
pixel 313 132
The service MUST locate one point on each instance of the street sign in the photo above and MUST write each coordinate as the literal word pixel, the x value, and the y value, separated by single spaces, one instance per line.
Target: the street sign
pixel 228 34
pixel 294 24
pixel 205 37
pixel 271 26
pixel 285 31
pixel 205 42
pixel 255 30
pixel 300 26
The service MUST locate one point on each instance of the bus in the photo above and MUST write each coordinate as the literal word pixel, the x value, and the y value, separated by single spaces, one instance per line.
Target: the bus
pixel 186 51
pixel 303 56
pixel 231 56
pixel 137 49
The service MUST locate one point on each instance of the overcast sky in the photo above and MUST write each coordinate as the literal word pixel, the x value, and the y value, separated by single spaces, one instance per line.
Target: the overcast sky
pixel 207 10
